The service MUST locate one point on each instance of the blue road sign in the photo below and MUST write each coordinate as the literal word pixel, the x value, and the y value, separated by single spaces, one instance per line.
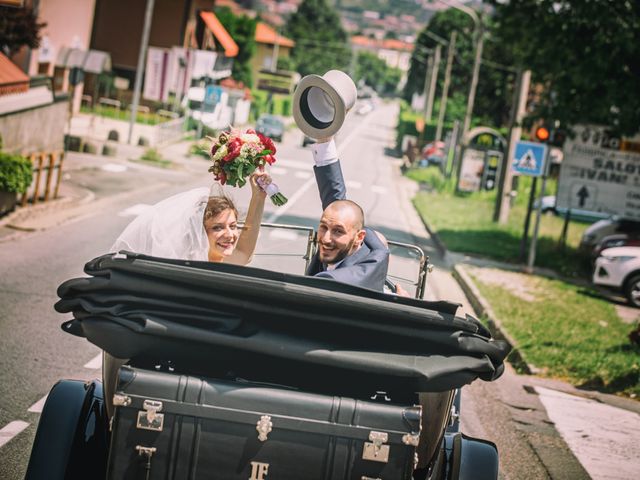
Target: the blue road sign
pixel 529 158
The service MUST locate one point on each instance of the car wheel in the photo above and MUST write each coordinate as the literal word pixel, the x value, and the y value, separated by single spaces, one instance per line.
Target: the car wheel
pixel 632 290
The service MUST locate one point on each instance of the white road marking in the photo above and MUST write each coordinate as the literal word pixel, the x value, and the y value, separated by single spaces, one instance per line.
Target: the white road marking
pixel 302 174
pixel 11 430
pixel 378 189
pixel 283 234
pixel 135 210
pixel 306 185
pixel 353 184
pixel 113 167
pixel 95 362
pixel 278 171
pixel 598 434
pixel 292 200
pixel 39 405
pixel 296 164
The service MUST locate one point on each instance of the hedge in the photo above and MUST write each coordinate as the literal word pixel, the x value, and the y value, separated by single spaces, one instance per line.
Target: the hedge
pixel 16 173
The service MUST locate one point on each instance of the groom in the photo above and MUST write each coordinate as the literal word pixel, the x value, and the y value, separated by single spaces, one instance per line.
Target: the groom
pixel 348 251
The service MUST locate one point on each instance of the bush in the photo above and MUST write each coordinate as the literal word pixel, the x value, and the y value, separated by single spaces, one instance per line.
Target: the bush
pixel 201 147
pixel 16 173
pixel 407 126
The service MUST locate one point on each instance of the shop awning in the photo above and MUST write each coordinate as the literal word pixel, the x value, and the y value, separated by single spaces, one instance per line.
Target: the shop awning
pixel 220 33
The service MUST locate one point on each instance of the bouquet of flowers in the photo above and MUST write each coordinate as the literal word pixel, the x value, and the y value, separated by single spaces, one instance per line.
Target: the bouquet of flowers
pixel 237 155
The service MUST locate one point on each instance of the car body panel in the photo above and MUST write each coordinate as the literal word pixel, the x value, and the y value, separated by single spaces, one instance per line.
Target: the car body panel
pixel 615 265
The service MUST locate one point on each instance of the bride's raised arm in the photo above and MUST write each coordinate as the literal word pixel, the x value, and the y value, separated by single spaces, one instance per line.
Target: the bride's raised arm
pixel 246 245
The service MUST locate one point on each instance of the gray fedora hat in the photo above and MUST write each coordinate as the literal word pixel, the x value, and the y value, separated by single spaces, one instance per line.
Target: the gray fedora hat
pixel 321 103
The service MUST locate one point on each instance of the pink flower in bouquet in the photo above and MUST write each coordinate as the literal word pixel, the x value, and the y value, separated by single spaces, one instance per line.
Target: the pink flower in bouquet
pixel 268 143
pixel 237 155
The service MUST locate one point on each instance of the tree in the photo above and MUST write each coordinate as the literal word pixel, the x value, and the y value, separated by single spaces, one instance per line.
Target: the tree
pixel 19 27
pixel 375 73
pixel 243 31
pixel 586 56
pixel 496 80
pixel 321 42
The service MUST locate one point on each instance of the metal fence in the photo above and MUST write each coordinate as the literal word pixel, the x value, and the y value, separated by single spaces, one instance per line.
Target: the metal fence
pixel 169 131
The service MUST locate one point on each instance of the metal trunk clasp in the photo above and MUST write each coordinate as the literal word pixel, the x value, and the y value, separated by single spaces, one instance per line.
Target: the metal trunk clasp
pixel 149 418
pixel 264 427
pixel 375 449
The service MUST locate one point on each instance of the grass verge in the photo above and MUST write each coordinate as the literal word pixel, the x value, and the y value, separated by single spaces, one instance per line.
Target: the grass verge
pixel 465 224
pixel 566 331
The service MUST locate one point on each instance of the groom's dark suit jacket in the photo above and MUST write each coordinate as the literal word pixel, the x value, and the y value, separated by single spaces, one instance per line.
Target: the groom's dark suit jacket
pixel 367 267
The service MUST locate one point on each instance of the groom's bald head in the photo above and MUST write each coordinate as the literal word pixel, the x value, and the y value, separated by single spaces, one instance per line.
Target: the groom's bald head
pixel 348 211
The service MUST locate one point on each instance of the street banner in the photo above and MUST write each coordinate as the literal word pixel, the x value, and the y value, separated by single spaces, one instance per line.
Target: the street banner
pixel 204 62
pixel 155 75
pixel 600 173
pixel 280 81
pixel 471 170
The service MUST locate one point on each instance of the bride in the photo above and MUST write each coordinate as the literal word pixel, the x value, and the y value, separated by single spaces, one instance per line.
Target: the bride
pixel 195 226
pixel 190 226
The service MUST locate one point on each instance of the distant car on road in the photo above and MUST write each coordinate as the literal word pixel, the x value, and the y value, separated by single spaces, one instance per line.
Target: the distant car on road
pixel 365 108
pixel 433 154
pixel 270 126
pixel 307 140
pixel 619 269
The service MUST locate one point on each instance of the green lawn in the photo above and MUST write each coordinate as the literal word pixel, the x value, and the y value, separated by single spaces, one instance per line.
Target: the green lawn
pixel 568 332
pixel 124 115
pixel 565 330
pixel 465 224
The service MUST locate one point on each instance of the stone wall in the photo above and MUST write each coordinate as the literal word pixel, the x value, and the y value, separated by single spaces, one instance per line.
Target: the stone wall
pixel 38 129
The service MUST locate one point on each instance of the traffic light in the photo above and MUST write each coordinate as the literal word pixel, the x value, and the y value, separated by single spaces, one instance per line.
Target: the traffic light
pixel 542 134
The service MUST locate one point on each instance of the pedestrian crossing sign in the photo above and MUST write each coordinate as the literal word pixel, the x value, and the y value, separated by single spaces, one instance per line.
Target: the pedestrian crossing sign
pixel 529 158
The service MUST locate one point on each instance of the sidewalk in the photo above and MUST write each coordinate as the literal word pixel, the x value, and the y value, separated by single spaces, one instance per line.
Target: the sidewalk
pixel 80 184
pixel 602 430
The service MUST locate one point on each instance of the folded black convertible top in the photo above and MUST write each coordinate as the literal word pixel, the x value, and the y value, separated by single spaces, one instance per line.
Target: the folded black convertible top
pixel 307 332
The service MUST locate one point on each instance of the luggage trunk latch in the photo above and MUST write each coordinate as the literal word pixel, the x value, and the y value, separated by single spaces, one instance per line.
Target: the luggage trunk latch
pixel 264 427
pixel 149 418
pixel 121 400
pixel 374 450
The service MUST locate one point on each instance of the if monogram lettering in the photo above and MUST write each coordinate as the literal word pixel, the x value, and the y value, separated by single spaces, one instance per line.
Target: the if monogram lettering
pixel 259 470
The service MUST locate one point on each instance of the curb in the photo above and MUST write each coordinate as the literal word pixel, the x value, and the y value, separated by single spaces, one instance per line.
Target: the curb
pixel 479 304
pixel 483 309
pixel 16 219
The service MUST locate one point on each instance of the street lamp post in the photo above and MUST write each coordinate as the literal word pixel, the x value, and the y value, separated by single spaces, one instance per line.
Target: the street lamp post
pixel 144 42
pixel 478 39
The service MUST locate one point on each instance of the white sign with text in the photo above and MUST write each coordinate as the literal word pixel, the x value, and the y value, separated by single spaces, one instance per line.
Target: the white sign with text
pixel 600 173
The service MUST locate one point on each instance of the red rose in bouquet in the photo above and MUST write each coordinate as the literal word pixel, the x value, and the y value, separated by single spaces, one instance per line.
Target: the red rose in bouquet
pixel 237 155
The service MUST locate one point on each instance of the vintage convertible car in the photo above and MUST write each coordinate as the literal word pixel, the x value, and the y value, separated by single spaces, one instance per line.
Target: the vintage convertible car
pixel 254 373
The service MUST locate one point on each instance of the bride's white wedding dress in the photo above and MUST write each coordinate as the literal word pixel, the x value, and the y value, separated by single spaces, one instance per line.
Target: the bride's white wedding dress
pixel 172 228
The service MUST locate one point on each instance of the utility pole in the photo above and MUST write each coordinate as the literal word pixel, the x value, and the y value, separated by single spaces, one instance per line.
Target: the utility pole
pixel 479 34
pixel 518 110
pixel 144 42
pixel 427 83
pixel 445 87
pixel 435 65
pixel 274 57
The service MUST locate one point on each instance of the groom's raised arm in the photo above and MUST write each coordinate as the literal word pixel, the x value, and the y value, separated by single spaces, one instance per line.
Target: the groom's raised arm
pixel 328 173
